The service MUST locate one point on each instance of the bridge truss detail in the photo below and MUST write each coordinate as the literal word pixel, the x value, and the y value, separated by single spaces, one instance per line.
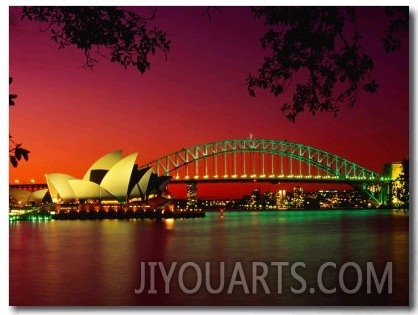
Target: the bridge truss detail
pixel 263 160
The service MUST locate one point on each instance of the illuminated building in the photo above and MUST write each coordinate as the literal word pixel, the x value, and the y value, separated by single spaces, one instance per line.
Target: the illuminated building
pixel 393 171
pixel 191 195
pixel 281 198
pixel 298 196
pixel 110 178
pixel 297 191
pixel 256 195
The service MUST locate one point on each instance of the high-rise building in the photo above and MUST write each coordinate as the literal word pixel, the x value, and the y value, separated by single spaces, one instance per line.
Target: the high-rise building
pixel 297 191
pixel 393 171
pixel 298 196
pixel 191 195
pixel 281 198
pixel 256 194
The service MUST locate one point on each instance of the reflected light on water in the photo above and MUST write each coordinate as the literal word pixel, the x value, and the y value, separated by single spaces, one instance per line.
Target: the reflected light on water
pixel 169 223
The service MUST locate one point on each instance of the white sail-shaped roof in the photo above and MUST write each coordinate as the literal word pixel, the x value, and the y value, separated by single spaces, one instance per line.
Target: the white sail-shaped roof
pixel 38 195
pixel 143 184
pixel 85 189
pixel 116 181
pixel 106 162
pixel 59 188
pixel 20 195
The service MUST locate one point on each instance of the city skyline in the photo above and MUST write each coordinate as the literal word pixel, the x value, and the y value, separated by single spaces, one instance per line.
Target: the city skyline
pixel 68 114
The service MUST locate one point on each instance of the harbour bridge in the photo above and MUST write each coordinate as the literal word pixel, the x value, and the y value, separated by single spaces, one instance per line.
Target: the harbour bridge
pixel 261 160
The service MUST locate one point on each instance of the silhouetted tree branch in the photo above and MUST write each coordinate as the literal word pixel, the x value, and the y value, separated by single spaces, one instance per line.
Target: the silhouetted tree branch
pixel 12 97
pixel 16 152
pixel 316 47
pixel 124 34
pixel 397 28
pixel 208 12
pixel 323 44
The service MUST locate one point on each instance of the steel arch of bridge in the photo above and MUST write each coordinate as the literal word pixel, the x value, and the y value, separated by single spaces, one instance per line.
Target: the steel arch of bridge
pixel 336 168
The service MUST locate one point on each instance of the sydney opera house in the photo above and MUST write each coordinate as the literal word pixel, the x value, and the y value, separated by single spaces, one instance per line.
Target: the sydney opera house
pixel 112 178
pixel 22 197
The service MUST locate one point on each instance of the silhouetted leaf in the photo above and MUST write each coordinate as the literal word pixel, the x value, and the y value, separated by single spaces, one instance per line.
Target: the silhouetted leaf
pixel 26 156
pixel 18 154
pixel 12 97
pixel 25 153
pixel 13 160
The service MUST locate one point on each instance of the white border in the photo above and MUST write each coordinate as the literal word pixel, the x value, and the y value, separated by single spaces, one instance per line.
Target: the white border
pixel 4 228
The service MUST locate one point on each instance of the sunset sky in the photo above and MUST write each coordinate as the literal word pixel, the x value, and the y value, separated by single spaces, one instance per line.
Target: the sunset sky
pixel 68 116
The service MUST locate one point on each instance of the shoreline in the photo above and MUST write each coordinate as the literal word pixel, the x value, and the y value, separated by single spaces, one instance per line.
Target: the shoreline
pixel 152 214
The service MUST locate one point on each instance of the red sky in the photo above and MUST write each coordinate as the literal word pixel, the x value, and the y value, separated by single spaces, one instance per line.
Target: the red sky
pixel 68 117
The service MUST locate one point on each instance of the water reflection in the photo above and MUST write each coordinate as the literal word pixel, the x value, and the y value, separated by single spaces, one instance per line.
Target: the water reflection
pixel 169 223
pixel 99 262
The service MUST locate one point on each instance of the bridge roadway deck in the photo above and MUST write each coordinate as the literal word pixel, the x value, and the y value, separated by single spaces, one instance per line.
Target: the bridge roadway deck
pixel 274 180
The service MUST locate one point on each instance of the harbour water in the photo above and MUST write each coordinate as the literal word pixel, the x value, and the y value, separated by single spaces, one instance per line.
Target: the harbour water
pixel 98 262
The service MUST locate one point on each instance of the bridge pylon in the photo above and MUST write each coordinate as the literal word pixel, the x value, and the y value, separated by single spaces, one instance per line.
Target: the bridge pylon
pixel 379 193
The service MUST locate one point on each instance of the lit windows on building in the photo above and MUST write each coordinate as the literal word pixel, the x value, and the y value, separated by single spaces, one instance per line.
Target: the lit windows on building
pixel 191 196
